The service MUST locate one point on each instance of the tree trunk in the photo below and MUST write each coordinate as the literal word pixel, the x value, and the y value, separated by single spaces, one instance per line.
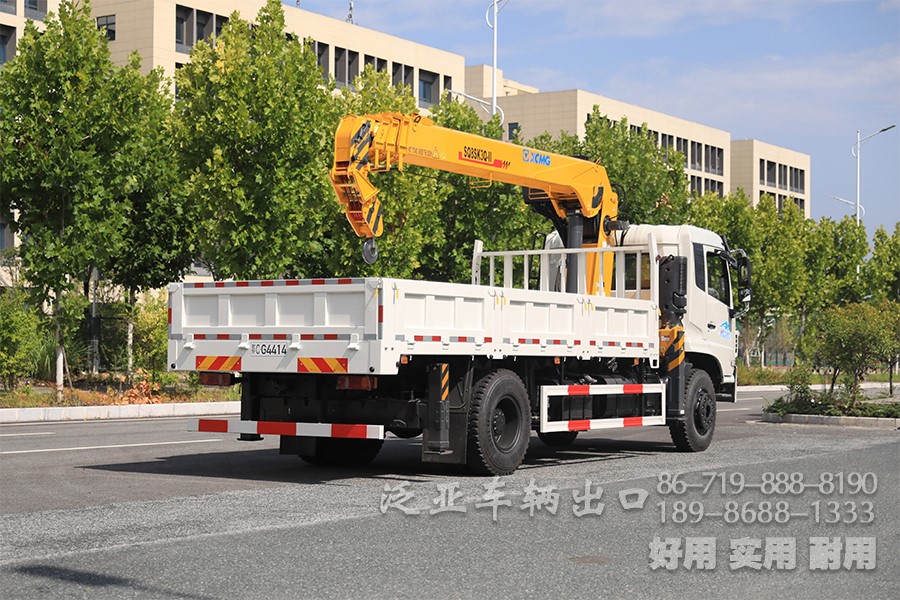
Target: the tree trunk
pixel 130 334
pixel 60 364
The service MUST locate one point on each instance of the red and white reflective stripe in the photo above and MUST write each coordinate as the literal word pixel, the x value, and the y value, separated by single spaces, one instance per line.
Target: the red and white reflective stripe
pixel 273 282
pixel 548 391
pixel 618 423
pixel 326 430
pixel 588 390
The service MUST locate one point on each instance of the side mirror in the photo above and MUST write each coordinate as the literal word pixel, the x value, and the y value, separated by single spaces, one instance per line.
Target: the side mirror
pixel 744 272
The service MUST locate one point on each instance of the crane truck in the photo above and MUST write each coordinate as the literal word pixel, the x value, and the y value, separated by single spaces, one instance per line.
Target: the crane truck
pixel 609 325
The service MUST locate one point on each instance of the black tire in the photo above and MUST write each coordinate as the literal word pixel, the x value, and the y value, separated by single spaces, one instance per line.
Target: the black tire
pixel 406 433
pixel 499 424
pixel 558 439
pixel 335 452
pixel 695 433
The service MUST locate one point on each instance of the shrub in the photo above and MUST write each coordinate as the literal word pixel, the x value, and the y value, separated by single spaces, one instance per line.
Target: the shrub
pixel 19 336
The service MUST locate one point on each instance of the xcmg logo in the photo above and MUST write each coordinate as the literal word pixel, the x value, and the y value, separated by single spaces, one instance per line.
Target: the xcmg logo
pixel 535 157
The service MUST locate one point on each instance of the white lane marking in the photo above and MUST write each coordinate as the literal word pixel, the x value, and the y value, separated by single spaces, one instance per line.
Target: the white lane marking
pixel 751 398
pixel 27 434
pixel 734 409
pixel 113 446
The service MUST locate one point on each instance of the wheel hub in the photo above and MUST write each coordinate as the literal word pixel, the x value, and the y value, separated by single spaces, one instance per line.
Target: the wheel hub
pixel 704 412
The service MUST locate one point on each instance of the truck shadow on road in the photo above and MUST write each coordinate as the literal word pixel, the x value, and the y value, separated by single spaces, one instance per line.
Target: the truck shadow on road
pixel 398 460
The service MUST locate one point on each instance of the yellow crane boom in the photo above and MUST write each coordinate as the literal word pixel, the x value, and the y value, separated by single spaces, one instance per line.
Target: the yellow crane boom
pixel 569 189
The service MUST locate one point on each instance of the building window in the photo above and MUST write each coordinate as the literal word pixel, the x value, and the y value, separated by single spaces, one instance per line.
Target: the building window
pixel 220 23
pixel 8 6
pixel 402 75
pixel 770 173
pixel 369 61
pixel 428 88
pixel 206 25
pixel 696 185
pixel 513 131
pixel 697 156
pixel 381 65
pixel 782 177
pixel 322 58
pixel 352 67
pixel 35 9
pixel 4 229
pixel 448 84
pixel 762 171
pixel 681 145
pixel 108 23
pixel 340 66
pixel 7 43
pixel 801 204
pixel 184 29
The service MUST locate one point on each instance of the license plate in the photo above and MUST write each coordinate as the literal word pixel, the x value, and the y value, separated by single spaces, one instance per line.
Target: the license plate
pixel 259 349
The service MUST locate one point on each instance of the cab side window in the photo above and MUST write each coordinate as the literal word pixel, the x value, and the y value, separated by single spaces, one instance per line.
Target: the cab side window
pixel 718 284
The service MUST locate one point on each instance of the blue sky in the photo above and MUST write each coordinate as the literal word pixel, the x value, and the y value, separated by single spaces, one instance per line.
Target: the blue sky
pixel 804 74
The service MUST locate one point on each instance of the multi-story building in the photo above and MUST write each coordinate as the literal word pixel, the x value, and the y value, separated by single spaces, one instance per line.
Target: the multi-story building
pixel 712 161
pixel 164 31
pixel 759 168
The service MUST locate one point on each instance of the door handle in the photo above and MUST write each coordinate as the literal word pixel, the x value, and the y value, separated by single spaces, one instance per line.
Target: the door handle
pixel 711 325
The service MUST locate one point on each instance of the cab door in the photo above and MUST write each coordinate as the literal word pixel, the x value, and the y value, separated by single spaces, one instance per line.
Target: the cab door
pixel 719 325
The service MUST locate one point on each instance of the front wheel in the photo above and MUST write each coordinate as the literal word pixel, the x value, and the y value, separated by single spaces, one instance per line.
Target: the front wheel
pixel 695 432
pixel 499 424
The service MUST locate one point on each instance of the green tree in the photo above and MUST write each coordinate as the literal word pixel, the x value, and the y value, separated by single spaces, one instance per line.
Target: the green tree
pixel 69 144
pixel 882 270
pixel 253 130
pixel 19 336
pixel 853 340
pixel 652 177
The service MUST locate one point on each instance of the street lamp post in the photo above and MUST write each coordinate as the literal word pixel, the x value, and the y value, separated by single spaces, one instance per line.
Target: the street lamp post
pixel 854 150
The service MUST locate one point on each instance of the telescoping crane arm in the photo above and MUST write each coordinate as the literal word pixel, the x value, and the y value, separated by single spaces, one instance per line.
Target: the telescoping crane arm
pixel 563 188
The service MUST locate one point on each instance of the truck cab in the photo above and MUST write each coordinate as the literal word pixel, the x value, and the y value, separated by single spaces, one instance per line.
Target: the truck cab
pixel 710 323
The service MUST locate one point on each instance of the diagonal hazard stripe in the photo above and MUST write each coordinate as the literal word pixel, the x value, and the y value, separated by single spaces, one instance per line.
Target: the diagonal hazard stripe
pixel 218 363
pixel 321 365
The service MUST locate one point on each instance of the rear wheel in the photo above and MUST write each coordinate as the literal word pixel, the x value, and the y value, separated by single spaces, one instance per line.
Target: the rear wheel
pixel 336 452
pixel 558 439
pixel 695 432
pixel 499 424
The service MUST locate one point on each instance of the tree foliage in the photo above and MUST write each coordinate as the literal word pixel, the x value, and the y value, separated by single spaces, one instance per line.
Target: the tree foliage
pixel 70 148
pixel 253 130
pixel 882 271
pixel 19 336
pixel 854 339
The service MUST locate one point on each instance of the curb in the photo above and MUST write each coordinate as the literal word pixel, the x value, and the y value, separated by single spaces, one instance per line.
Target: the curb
pixel 129 411
pixel 873 385
pixel 795 419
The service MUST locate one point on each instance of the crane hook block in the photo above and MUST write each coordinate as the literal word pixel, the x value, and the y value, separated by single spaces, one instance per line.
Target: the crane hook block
pixel 369 251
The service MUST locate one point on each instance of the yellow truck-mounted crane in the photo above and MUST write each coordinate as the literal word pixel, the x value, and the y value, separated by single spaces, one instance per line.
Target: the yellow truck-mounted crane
pixel 331 365
pixel 575 194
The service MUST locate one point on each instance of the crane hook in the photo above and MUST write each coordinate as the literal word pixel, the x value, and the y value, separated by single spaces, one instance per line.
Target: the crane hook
pixel 369 251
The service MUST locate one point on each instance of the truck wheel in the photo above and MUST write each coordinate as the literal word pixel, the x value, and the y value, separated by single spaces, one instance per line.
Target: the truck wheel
pixel 499 424
pixel 336 452
pixel 695 433
pixel 558 439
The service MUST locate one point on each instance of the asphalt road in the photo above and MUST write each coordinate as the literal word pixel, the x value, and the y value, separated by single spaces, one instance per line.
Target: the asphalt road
pixel 144 509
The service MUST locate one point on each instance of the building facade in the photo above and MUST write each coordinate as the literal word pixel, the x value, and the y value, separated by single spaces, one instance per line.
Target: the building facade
pixel 164 31
pixel 759 168
pixel 713 163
